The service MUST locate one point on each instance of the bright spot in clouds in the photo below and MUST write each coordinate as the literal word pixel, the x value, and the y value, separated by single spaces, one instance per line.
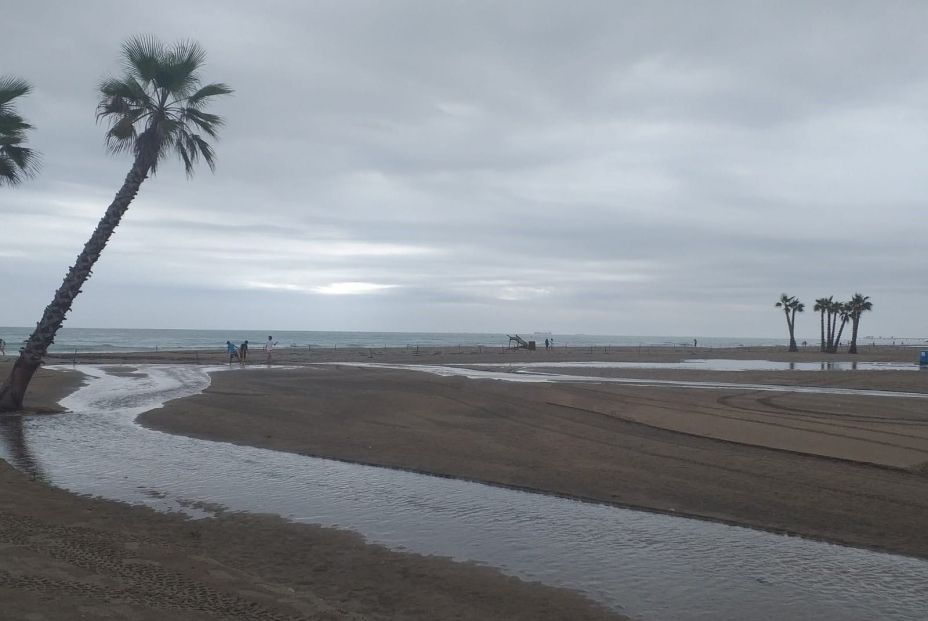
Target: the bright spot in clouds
pixel 351 288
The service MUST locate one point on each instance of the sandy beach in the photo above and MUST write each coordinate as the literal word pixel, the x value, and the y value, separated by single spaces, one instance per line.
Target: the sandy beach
pixel 844 468
pixel 65 557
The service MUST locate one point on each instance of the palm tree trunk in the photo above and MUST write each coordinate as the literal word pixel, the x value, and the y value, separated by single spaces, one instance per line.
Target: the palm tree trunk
pixel 30 356
pixel 822 345
pixel 855 322
pixel 838 337
pixel 792 332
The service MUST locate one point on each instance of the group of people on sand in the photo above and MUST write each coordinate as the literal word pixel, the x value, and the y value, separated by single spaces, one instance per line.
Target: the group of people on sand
pixel 240 353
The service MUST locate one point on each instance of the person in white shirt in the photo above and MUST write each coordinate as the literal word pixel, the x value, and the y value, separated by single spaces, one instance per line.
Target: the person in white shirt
pixel 269 348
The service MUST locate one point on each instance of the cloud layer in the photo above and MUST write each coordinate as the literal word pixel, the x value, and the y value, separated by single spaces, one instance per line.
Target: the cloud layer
pixel 597 167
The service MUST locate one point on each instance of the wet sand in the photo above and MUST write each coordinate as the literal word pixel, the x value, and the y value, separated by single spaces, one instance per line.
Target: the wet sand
pixel 64 557
pixel 848 469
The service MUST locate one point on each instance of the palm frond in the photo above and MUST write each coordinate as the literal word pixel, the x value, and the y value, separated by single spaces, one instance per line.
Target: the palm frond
pixel 121 136
pixel 187 56
pixel 142 56
pixel 209 123
pixel 159 138
pixel 192 147
pixel 17 164
pixel 177 73
pixel 16 161
pixel 11 88
pixel 127 90
pixel 185 156
pixel 9 173
pixel 210 90
pixel 23 157
pixel 206 150
pixel 13 125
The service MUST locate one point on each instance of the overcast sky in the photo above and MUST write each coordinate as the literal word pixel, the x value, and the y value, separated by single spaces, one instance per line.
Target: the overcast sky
pixel 649 168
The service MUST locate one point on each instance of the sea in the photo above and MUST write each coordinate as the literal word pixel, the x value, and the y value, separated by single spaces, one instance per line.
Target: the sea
pixel 86 340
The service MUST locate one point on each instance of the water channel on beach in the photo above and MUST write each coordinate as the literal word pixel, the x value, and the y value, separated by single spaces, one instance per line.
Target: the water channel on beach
pixel 712 364
pixel 646 565
pixel 537 373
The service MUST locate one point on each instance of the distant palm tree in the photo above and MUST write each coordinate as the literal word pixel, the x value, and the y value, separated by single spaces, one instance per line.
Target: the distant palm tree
pixel 821 306
pixel 842 312
pixel 790 306
pixel 858 305
pixel 16 161
pixel 156 108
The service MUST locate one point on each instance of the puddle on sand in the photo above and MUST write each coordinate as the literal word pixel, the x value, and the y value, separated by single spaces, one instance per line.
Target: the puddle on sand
pixel 646 565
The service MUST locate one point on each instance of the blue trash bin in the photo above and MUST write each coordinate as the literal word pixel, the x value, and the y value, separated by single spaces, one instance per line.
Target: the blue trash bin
pixel 923 359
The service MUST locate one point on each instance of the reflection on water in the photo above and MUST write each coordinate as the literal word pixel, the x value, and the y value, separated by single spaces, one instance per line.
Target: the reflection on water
pixel 646 565
pixel 15 448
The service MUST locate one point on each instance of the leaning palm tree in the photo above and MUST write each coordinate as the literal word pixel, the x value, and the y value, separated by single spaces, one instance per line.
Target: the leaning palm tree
pixel 822 306
pixel 858 305
pixel 16 161
pixel 791 305
pixel 156 108
pixel 835 310
pixel 843 312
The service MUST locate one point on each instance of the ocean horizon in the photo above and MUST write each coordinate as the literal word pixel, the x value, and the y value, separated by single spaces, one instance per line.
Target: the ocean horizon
pixel 143 339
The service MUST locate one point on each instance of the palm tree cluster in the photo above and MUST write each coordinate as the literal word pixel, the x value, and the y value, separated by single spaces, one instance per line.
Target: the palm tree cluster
pixel 834 314
pixel 156 108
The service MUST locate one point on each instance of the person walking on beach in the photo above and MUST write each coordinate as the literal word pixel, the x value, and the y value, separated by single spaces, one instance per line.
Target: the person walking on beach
pixel 547 344
pixel 233 352
pixel 243 351
pixel 269 348
pixel 2 348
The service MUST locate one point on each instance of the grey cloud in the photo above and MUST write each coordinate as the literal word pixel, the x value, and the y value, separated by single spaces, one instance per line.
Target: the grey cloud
pixel 666 167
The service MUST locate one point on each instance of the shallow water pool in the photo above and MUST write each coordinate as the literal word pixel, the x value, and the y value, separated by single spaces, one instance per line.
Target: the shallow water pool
pixel 714 364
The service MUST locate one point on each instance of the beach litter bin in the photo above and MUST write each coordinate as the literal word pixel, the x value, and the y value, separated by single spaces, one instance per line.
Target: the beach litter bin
pixel 923 359
pixel 531 345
